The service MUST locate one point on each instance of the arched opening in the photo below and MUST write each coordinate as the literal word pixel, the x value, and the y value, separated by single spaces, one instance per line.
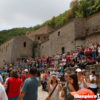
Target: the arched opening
pixel 24 44
pixel 63 50
pixel 38 37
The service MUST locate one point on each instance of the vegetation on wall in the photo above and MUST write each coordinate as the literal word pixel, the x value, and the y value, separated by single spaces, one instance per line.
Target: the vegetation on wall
pixel 78 9
pixel 86 8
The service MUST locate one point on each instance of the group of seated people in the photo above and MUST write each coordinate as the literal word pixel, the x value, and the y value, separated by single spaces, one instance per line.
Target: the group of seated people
pixel 81 56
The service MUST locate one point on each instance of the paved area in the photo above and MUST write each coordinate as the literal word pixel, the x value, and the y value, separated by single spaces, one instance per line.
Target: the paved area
pixel 41 94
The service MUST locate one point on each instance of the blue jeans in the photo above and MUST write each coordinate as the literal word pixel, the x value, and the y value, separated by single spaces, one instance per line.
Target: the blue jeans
pixel 94 54
pixel 13 98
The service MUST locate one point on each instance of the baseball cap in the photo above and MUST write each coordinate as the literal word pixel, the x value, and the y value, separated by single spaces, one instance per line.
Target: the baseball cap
pixel 87 94
pixel 78 70
pixel 26 70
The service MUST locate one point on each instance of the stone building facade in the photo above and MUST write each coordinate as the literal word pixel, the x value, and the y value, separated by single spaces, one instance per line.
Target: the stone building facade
pixel 42 31
pixel 16 48
pixel 21 46
pixel 59 41
pixel 5 52
pixel 82 31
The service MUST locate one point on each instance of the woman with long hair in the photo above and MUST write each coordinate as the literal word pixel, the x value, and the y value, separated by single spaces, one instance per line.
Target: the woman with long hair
pixel 14 83
pixel 54 83
pixel 71 85
pixel 73 82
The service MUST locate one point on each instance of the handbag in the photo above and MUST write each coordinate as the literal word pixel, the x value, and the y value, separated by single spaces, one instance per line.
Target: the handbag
pixel 7 89
pixel 48 98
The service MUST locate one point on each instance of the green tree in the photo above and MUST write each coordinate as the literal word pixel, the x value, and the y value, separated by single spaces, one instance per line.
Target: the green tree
pixel 87 8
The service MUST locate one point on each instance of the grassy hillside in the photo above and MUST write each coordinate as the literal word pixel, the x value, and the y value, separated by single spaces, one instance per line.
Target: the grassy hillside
pixel 78 9
pixel 8 34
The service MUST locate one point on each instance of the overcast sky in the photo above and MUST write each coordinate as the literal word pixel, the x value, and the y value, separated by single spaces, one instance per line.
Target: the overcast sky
pixel 28 13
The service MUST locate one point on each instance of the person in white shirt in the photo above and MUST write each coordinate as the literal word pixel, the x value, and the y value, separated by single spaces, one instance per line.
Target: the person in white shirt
pixel 93 81
pixel 1 79
pixel 82 80
pixel 98 49
pixel 3 95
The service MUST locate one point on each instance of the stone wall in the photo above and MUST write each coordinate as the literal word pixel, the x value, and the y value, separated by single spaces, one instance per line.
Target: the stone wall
pixel 93 26
pixel 22 48
pixel 92 22
pixel 92 31
pixel 41 38
pixel 80 42
pixel 45 49
pixel 95 38
pixel 18 47
pixel 64 40
pixel 75 33
pixel 68 34
pixel 6 52
pixel 43 30
pixel 80 28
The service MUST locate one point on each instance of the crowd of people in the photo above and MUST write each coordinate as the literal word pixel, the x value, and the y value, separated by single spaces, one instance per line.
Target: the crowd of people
pixel 79 57
pixel 20 80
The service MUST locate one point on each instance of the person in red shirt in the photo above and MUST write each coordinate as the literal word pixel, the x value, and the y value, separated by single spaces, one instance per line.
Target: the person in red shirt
pixel 87 51
pixel 14 83
pixel 68 56
pixel 43 61
pixel 25 75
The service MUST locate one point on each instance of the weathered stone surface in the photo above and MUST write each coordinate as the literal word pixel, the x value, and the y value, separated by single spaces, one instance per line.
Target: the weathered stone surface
pixel 43 30
pixel 63 37
pixel 71 35
pixel 5 51
pixel 18 47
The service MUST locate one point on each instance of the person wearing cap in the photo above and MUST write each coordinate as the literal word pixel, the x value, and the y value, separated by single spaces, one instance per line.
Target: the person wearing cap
pixel 83 94
pixel 25 75
pixel 82 81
